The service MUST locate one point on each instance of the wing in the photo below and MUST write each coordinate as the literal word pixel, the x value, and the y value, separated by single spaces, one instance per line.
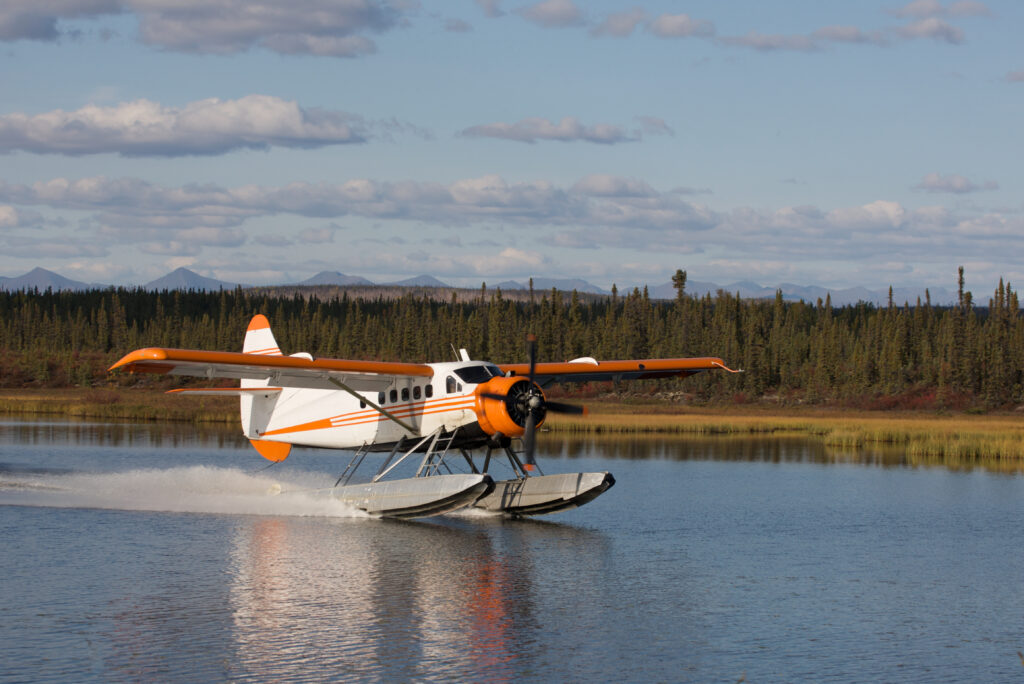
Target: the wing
pixel 280 371
pixel 590 370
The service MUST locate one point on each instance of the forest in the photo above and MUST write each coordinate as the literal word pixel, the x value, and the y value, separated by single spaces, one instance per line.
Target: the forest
pixel 912 356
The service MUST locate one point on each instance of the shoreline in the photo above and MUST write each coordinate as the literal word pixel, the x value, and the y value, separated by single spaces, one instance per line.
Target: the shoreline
pixel 956 437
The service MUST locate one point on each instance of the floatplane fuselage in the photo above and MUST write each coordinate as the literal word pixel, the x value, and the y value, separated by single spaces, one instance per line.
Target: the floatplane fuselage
pixel 427 413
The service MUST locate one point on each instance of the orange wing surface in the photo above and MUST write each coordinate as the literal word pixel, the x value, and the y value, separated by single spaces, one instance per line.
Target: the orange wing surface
pixel 281 371
pixel 589 370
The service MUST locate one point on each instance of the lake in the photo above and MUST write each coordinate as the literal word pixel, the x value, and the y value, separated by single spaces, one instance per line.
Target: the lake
pixel 169 553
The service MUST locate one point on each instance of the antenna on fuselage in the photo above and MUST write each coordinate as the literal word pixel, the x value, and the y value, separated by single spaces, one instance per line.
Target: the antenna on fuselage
pixel 454 353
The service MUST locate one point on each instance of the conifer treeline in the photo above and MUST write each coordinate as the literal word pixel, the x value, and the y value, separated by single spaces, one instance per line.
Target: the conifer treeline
pixel 892 355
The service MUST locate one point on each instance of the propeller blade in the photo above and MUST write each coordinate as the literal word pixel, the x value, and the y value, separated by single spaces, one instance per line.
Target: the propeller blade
pixel 529 440
pixel 531 341
pixel 559 407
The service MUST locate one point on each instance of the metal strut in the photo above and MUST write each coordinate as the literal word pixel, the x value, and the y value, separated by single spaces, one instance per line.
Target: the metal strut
pixel 353 465
pixel 438 449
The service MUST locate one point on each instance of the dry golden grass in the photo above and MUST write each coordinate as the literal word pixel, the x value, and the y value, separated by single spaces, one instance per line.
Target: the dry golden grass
pixel 954 439
pixel 116 404
pixel 966 438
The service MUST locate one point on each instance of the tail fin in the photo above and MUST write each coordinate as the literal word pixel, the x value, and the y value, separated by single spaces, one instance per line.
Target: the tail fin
pixel 259 339
pixel 258 408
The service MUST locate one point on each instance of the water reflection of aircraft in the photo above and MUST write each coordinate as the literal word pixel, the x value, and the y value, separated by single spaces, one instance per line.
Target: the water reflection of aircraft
pixel 438 411
pixel 405 603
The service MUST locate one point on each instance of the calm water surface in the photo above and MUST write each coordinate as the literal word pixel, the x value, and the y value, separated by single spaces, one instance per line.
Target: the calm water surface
pixel 153 553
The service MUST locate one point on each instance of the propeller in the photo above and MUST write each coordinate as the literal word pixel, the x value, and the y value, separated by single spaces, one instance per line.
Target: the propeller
pixel 525 400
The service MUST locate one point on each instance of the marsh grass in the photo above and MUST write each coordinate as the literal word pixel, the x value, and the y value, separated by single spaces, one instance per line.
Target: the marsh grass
pixel 952 439
pixel 960 440
pixel 112 404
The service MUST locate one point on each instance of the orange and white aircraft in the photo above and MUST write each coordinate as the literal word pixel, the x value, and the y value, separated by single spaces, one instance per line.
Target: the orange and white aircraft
pixel 437 411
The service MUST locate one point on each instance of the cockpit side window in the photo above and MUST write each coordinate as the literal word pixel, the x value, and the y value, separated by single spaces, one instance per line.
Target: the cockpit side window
pixel 449 385
pixel 478 374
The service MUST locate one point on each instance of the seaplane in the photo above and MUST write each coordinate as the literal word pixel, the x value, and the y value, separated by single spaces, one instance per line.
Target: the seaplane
pixel 430 419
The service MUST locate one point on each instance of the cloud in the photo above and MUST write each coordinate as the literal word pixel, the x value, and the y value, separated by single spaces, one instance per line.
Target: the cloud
pixel 849 34
pixel 204 127
pixel 457 26
pixel 311 27
pixel 680 26
pixel 922 9
pixel 56 247
pixel 934 28
pixel 1015 76
pixel 772 42
pixel 604 185
pixel 317 236
pixel 654 126
pixel 569 129
pixel 552 14
pixel 140 210
pixel 491 8
pixel 934 182
pixel 621 24
pixel 8 216
pixel 37 20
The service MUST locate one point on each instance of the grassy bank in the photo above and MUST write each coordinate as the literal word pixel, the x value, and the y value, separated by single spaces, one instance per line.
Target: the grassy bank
pixel 111 404
pixel 955 439
pixel 960 438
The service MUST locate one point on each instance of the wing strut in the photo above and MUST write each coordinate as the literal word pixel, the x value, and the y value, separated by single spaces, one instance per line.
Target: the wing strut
pixel 379 409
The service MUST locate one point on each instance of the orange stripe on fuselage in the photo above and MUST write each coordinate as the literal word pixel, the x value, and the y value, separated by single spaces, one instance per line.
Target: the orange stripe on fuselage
pixel 363 417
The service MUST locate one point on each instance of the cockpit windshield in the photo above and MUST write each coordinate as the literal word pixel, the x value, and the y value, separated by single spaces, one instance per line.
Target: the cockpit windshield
pixel 478 374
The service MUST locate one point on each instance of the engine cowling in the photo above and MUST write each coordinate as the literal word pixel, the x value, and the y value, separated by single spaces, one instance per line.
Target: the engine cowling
pixel 507 414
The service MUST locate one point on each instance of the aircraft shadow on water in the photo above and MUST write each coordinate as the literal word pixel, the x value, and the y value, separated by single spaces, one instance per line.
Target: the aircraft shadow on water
pixel 426 417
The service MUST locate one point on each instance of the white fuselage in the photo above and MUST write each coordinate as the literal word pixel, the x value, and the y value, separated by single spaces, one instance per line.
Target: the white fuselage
pixel 340 420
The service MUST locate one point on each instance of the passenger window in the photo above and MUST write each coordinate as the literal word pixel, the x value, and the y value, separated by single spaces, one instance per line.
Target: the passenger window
pixel 416 392
pixel 394 396
pixel 429 391
pixel 449 384
pixel 405 394
pixel 380 398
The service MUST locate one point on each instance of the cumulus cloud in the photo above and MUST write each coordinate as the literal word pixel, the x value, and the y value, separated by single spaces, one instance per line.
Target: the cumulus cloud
pixel 36 20
pixel 621 24
pixel 605 185
pixel 771 42
pixel 934 28
pixel 8 216
pixel 680 26
pixel 569 129
pixel 317 236
pixel 552 14
pixel 491 8
pixel 57 247
pixel 953 183
pixel 922 9
pixel 211 126
pixel 313 27
pixel 849 34
pixel 654 126
pixel 134 207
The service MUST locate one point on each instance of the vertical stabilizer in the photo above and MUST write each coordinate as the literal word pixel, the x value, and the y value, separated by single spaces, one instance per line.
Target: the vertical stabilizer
pixel 259 339
pixel 257 409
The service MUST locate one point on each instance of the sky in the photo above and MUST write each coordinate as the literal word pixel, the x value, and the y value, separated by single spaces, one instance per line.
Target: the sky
pixel 814 142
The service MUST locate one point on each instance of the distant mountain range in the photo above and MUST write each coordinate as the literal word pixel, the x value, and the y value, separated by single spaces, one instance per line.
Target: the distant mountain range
pixel 184 279
pixel 40 278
